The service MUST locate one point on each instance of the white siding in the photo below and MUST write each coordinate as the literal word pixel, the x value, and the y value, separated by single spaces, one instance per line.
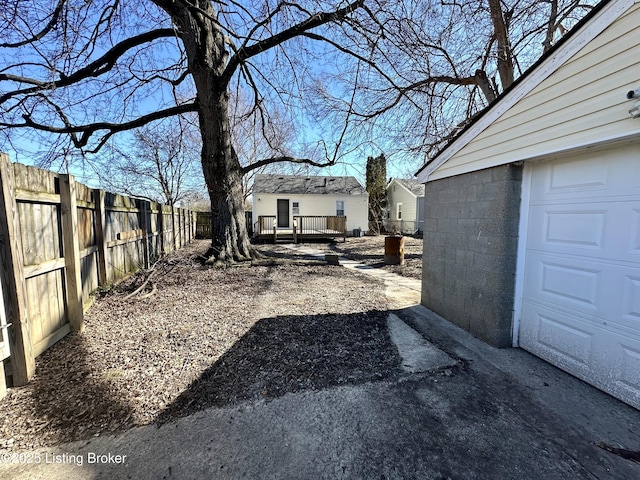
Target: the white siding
pixel 396 193
pixel 356 206
pixel 582 103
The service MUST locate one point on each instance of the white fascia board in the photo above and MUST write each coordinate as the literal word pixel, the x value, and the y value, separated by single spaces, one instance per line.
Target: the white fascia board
pixel 588 32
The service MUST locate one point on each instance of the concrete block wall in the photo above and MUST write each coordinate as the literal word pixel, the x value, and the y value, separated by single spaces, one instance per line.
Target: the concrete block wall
pixel 470 242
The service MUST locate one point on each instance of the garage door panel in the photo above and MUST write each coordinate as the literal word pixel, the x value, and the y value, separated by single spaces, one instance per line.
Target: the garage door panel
pixel 556 337
pixel 631 300
pixel 575 228
pixel 634 234
pixel 595 230
pixel 604 174
pixel 588 351
pixel 605 293
pixel 569 228
pixel 630 368
pixel 566 282
pixel 581 284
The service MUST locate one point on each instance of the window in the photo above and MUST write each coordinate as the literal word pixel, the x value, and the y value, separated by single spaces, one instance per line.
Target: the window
pixel 340 207
pixel 295 208
pixel 399 211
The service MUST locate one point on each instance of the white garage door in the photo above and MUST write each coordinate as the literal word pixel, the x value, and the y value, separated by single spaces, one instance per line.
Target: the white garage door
pixel 581 291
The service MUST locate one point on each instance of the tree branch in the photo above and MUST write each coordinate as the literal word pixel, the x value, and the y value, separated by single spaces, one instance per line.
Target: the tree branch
pixel 269 161
pixel 87 131
pixel 94 69
pixel 47 28
pixel 312 22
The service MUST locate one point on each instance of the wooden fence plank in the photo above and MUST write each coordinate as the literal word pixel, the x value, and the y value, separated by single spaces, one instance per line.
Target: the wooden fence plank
pixel 59 240
pixel 22 357
pixel 71 250
pixel 101 241
pixel 44 267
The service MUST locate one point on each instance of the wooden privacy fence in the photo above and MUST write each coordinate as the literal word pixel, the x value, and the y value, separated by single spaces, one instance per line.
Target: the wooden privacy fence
pixel 60 241
pixel 203 224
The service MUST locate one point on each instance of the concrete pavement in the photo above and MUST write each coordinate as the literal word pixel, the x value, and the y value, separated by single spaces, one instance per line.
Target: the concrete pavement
pixel 401 291
pixel 459 409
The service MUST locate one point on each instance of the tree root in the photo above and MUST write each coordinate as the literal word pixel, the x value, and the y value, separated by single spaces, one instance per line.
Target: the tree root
pixel 217 258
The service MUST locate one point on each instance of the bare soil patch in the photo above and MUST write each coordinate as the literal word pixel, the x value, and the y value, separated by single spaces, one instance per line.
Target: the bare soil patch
pixel 370 251
pixel 207 337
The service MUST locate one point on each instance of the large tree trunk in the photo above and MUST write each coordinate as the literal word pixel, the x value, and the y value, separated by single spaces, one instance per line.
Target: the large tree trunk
pixel 207 56
pixel 505 55
pixel 223 175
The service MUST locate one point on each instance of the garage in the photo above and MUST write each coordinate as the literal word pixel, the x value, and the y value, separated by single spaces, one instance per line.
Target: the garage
pixel 581 267
pixel 532 211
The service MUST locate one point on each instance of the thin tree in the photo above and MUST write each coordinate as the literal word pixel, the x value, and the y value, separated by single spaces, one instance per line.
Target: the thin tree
pixel 160 164
pixel 90 70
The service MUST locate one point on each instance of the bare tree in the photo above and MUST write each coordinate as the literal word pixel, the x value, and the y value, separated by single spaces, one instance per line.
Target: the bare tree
pixel 255 137
pixel 448 60
pixel 90 70
pixel 159 164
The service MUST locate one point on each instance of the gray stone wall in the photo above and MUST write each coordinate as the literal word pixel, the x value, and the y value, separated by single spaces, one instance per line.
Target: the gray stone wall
pixel 470 242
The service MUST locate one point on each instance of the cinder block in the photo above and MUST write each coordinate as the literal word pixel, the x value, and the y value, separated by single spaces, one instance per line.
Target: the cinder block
pixel 494 336
pixel 472 243
pixel 479 177
pixel 507 172
pixel 469 193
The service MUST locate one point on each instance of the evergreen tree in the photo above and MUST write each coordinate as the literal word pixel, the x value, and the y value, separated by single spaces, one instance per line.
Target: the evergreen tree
pixel 377 189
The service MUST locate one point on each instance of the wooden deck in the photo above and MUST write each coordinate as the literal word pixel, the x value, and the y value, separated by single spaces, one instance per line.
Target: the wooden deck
pixel 304 228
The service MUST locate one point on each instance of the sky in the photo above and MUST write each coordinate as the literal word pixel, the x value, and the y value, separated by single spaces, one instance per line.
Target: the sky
pixel 311 128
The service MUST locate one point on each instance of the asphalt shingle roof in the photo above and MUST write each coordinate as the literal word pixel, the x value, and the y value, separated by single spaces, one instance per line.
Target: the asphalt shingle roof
pixel 294 184
pixel 413 185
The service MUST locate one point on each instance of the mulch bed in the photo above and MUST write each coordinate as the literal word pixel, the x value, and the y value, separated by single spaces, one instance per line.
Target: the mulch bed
pixel 208 337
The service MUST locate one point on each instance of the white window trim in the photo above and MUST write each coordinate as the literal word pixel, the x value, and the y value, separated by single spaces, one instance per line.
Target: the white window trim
pixel 344 207
pixel 399 211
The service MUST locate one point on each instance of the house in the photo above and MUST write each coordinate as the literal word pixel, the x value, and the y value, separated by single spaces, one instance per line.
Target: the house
pixel 532 212
pixel 281 199
pixel 405 205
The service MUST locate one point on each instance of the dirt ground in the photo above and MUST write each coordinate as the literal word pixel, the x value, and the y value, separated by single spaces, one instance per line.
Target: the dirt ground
pixel 207 337
pixel 370 251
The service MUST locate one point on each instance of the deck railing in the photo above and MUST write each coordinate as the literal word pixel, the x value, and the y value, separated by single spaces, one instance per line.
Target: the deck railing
pixel 264 225
pixel 304 226
pixel 321 224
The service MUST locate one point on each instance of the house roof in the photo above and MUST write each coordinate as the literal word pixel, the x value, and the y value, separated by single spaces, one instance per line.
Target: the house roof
pixel 459 137
pixel 307 185
pixel 411 184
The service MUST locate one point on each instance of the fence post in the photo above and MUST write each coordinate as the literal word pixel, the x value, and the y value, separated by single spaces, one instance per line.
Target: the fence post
pixel 344 229
pixel 144 207
pixel 161 227
pixel 12 264
pixel 295 231
pixel 180 228
pixel 71 250
pixel 174 227
pixel 100 222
